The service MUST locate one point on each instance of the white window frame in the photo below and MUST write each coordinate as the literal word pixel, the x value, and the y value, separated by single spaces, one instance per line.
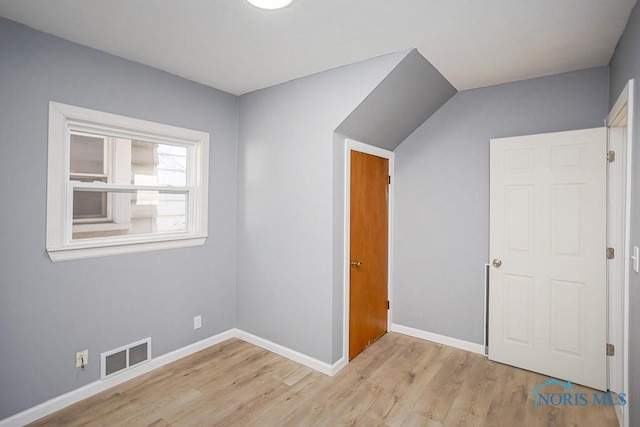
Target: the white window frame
pixel 60 245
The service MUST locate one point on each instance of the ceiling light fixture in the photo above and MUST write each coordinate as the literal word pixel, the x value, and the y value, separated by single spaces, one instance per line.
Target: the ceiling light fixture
pixel 270 4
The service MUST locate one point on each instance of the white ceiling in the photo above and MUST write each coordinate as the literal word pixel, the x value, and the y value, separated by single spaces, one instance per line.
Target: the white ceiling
pixel 231 45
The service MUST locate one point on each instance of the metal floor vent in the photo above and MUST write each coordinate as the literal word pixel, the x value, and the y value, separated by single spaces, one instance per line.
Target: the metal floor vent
pixel 125 357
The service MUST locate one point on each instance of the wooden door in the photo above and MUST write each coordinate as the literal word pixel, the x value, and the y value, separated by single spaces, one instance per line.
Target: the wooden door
pixel 548 291
pixel 369 222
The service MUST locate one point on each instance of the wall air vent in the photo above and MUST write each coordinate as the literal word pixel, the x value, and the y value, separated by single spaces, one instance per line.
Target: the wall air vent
pixel 126 357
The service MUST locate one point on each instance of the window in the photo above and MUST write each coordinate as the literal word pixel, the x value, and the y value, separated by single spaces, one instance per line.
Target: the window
pixel 120 185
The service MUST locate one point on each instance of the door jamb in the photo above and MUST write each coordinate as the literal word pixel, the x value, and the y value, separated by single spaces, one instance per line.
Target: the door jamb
pixel 625 100
pixel 368 149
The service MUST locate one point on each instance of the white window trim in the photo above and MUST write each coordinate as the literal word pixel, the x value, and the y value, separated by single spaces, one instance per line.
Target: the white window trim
pixel 59 245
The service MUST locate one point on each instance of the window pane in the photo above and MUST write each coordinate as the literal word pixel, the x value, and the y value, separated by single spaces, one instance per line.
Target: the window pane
pixel 87 205
pixel 158 164
pixel 87 154
pixel 132 213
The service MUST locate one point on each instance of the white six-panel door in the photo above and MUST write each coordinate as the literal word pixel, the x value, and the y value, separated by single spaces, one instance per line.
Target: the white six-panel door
pixel 548 295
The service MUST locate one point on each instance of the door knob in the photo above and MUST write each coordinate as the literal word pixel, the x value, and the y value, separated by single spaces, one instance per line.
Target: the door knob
pixel 497 263
pixel 355 264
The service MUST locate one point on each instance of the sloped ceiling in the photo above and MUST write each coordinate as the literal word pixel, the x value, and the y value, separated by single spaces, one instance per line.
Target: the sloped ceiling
pixel 233 46
pixel 410 94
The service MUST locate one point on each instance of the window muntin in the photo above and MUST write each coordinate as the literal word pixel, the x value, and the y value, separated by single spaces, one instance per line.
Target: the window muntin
pixel 116 181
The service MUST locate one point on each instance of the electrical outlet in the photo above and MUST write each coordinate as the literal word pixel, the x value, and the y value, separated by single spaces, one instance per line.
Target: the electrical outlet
pixel 197 322
pixel 82 358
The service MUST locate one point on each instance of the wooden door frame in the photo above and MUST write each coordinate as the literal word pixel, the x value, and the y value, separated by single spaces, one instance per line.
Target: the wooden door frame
pixel 617 324
pixel 389 155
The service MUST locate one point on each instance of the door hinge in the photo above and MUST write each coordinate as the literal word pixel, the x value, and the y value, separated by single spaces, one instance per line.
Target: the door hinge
pixel 611 253
pixel 611 156
pixel 611 350
pixel 389 179
pixel 388 305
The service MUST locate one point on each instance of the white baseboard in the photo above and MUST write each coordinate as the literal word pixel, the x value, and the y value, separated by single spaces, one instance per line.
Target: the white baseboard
pixel 67 399
pixel 440 339
pixel 337 367
pixel 296 356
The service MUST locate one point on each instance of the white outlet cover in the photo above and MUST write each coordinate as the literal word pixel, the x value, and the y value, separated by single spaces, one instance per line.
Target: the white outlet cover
pixel 197 322
pixel 82 356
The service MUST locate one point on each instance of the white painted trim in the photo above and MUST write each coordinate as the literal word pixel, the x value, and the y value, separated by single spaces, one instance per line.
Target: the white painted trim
pixel 70 254
pixel 65 118
pixel 339 365
pixel 627 97
pixel 623 99
pixel 440 339
pixel 616 267
pixel 67 399
pixel 290 354
pixel 385 154
pixel 627 239
pixel 485 340
pixel 369 149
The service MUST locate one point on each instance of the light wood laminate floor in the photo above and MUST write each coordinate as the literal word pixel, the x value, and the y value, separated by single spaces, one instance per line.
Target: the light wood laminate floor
pixel 398 381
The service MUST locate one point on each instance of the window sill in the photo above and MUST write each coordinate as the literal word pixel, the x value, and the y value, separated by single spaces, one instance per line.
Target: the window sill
pixel 68 254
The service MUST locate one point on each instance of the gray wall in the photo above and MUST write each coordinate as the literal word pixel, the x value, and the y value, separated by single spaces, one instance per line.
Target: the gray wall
pixel 412 92
pixel 625 65
pixel 441 222
pixel 289 287
pixel 49 311
pixel 283 185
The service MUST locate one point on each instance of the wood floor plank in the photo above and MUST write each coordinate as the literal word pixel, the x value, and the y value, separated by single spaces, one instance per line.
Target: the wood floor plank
pixel 382 405
pixel 472 401
pixel 297 375
pixel 510 398
pixel 288 402
pixel 543 415
pixel 228 394
pixel 415 419
pixel 354 409
pixel 161 405
pixel 398 380
pixel 435 402
pixel 159 423
pixel 326 398
pixel 412 387
pixel 404 364
pixel 262 393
